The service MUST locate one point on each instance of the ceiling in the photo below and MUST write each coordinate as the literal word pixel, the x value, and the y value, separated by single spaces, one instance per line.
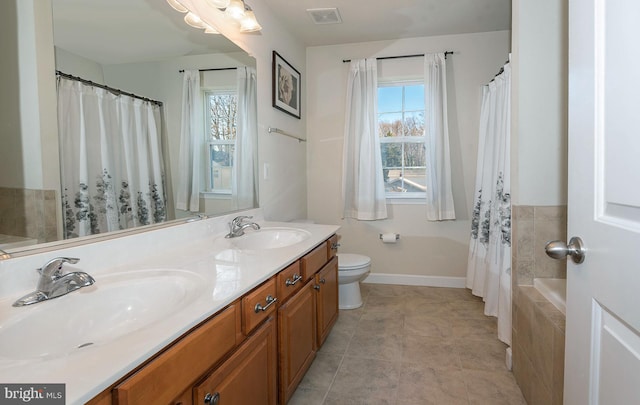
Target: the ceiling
pixel 375 20
pixel 127 31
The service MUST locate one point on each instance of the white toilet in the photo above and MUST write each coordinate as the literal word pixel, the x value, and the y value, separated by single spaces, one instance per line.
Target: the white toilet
pixel 352 269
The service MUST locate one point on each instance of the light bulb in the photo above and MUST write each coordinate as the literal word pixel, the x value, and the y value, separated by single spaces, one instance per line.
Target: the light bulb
pixel 194 21
pixel 249 22
pixel 177 6
pixel 235 9
pixel 220 3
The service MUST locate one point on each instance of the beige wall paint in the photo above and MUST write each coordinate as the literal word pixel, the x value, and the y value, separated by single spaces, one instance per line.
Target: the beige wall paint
pixel 425 248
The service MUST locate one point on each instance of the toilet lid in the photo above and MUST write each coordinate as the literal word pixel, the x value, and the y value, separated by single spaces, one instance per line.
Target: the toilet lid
pixel 348 261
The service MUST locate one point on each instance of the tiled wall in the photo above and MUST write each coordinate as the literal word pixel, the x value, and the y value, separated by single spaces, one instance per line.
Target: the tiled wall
pixel 28 213
pixel 538 326
pixel 533 227
pixel 538 347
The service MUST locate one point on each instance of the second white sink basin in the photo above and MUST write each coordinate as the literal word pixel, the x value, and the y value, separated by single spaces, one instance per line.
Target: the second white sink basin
pixel 270 238
pixel 115 306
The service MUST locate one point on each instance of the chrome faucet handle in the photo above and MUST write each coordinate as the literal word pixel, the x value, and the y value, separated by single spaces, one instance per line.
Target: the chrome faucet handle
pixel 238 220
pixel 53 267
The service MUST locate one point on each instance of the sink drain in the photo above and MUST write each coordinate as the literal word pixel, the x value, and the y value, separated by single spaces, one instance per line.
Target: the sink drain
pixel 85 345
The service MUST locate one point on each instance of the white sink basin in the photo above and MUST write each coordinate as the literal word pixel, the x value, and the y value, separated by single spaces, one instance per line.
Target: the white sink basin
pixel 270 238
pixel 115 306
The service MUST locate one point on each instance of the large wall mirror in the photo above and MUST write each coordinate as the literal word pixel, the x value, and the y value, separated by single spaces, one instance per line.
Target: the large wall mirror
pixel 139 47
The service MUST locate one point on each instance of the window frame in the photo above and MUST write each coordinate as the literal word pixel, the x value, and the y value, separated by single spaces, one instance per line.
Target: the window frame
pixel 209 142
pixel 394 196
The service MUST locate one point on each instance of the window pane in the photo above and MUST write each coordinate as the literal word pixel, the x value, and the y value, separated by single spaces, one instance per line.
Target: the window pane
pixel 414 155
pixel 414 123
pixel 221 165
pixel 389 99
pixel 390 124
pixel 391 155
pixel 221 114
pixel 414 97
pixel 415 180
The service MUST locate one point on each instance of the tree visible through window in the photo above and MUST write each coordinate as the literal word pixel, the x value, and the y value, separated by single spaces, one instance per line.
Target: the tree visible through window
pixel 221 122
pixel 401 127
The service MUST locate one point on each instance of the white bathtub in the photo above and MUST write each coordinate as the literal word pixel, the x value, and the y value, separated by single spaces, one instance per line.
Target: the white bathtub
pixel 553 289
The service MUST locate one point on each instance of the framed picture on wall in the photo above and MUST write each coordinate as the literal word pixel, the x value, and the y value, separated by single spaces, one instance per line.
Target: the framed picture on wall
pixel 286 86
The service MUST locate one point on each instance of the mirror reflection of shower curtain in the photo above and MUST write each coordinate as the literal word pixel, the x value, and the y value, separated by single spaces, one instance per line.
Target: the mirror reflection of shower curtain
pixel 111 160
pixel 489 264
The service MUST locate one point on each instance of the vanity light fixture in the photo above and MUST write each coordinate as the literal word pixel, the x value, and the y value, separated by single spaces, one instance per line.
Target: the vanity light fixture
pixel 194 21
pixel 236 10
pixel 177 6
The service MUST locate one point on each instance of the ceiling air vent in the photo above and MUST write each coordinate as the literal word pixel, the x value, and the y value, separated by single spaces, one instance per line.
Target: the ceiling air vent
pixel 325 15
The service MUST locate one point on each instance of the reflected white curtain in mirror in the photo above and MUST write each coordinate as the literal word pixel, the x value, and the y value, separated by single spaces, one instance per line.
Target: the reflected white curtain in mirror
pixel 111 158
pixel 191 143
pixel 489 263
pixel 439 194
pixel 245 168
pixel 362 178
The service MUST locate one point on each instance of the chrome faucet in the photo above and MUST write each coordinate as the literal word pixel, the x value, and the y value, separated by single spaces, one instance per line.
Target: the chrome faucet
pixel 237 226
pixel 53 283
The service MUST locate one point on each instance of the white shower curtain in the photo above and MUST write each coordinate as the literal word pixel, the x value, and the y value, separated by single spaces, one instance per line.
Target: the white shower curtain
pixel 111 160
pixel 439 194
pixel 362 179
pixel 191 141
pixel 489 264
pixel 245 169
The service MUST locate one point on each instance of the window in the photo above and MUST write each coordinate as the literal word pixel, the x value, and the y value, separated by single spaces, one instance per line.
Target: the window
pixel 401 127
pixel 220 113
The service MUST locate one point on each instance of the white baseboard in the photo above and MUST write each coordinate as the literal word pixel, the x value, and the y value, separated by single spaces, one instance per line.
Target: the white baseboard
pixel 411 279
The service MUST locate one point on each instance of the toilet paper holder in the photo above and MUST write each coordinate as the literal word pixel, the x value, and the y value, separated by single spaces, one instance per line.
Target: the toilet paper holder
pixel 397 236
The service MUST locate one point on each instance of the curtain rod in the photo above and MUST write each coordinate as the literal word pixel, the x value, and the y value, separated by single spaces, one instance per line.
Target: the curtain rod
pixel 401 56
pixel 113 90
pixel 210 70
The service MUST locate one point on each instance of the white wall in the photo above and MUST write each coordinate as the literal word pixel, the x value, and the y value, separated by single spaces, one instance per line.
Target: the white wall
pixel 425 248
pixel 539 103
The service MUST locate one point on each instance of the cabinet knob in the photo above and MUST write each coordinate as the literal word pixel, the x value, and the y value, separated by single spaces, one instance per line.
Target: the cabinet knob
pixel 323 281
pixel 316 287
pixel 334 246
pixel 212 399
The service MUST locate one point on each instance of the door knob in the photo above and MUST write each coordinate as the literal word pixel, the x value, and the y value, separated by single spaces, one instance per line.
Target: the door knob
pixel 558 249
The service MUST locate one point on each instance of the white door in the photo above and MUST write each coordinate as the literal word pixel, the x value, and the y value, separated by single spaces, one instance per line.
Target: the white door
pixel 603 295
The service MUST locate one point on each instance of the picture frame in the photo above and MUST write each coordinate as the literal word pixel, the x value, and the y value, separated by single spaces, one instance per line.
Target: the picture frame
pixel 286 90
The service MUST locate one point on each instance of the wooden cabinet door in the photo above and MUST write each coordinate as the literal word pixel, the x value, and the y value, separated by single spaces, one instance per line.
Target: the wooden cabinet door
pixel 249 376
pixel 326 299
pixel 297 339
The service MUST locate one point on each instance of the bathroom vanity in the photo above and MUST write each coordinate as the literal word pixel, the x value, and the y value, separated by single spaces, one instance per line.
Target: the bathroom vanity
pixel 244 330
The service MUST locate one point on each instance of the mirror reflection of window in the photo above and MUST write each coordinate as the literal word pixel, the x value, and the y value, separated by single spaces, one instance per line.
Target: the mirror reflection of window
pixel 221 124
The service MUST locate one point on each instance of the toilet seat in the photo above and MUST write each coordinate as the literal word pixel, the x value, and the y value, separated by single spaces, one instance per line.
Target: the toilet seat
pixel 351 261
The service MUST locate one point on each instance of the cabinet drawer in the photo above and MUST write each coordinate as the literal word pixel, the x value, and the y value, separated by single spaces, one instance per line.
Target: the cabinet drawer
pixel 176 369
pixel 313 261
pixel 332 246
pixel 258 305
pixel 289 281
pixel 248 377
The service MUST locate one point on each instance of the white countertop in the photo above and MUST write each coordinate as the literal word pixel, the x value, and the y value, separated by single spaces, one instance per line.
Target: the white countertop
pixel 227 274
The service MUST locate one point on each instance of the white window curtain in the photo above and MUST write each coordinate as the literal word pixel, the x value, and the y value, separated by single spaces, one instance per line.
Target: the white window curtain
pixel 362 180
pixel 439 194
pixel 245 170
pixel 111 160
pixel 191 141
pixel 489 263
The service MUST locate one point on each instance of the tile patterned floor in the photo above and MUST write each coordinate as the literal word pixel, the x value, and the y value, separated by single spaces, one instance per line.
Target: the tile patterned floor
pixel 411 345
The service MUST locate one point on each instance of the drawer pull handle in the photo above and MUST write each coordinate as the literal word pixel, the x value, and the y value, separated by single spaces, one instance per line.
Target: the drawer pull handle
pixel 270 301
pixel 334 246
pixel 212 399
pixel 323 281
pixel 296 278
